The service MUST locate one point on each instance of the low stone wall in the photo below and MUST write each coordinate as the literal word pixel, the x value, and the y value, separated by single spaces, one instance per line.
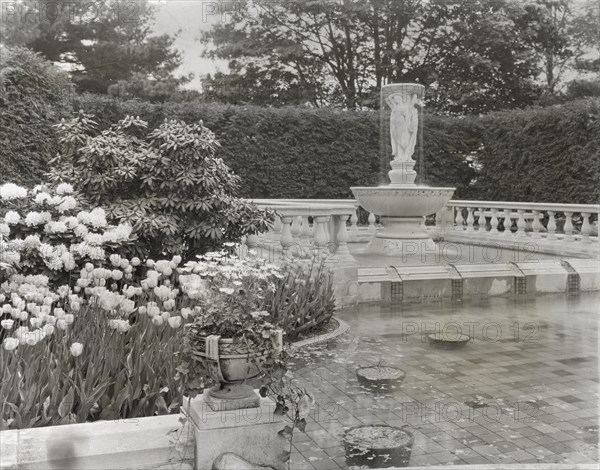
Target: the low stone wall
pixel 390 285
pixel 157 443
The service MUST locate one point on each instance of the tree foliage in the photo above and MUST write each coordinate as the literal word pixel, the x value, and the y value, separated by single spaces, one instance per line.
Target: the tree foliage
pixel 34 95
pixel 101 42
pixel 166 183
pixel 474 56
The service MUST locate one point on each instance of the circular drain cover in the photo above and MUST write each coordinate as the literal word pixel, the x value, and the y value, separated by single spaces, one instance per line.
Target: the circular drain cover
pixel 448 341
pixel 379 375
pixel 377 446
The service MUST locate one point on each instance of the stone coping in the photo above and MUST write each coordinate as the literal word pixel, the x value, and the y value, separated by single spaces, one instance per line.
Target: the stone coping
pixel 503 466
pixel 340 330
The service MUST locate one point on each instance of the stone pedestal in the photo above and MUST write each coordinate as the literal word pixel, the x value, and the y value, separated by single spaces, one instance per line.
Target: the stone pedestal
pixel 251 433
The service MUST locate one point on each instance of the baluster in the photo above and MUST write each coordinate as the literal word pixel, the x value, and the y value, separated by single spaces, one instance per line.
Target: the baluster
pixel 372 220
pixel 568 229
pixel 286 239
pixel 459 219
pixel 521 224
pixel 536 225
pixel 481 222
pixel 277 226
pixel 586 228
pixel 507 223
pixel 354 221
pixel 494 222
pixel 342 237
pixel 252 241
pixel 296 227
pixel 551 226
pixel 320 236
pixel 470 220
pixel 594 228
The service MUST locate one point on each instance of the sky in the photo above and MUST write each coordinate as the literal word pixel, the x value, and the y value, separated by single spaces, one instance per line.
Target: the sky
pixel 190 17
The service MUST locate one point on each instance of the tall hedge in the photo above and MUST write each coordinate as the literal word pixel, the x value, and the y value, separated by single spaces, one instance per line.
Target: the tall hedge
pixel 304 153
pixel 549 154
pixel 34 95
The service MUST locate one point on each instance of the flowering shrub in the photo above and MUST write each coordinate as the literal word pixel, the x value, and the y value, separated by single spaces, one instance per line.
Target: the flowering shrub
pixel 49 233
pixel 233 293
pixel 166 183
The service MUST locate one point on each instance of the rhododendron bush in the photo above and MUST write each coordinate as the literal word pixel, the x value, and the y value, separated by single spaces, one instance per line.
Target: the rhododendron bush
pixel 167 183
pixel 88 333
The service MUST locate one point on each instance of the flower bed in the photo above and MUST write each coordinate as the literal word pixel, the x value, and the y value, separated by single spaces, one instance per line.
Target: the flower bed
pixel 89 334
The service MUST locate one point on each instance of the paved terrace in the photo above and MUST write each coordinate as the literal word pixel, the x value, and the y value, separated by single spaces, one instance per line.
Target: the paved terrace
pixel 524 391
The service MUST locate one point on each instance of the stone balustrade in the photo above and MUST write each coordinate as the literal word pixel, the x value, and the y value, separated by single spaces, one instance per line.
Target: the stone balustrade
pixel 303 226
pixel 569 229
pixel 556 228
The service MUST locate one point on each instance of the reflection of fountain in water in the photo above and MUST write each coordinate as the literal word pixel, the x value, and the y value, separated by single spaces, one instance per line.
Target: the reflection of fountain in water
pixel 402 204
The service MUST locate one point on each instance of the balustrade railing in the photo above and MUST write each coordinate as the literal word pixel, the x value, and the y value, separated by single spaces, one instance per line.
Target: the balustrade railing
pixel 307 226
pixel 329 225
pixel 548 224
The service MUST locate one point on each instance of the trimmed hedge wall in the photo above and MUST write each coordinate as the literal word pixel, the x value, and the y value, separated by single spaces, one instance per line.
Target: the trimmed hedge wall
pixel 302 153
pixel 34 95
pixel 549 154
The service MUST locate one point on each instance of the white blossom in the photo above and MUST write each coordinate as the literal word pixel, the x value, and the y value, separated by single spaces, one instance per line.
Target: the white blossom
pixel 76 349
pixel 64 188
pixel 10 191
pixel 12 217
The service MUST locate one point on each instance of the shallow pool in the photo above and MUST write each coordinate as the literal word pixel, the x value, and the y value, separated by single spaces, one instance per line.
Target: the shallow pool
pixel 523 390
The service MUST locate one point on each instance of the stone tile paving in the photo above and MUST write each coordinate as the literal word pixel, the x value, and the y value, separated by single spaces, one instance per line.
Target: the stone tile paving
pixel 524 390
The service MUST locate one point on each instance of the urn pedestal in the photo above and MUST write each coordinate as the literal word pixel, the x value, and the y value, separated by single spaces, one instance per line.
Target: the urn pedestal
pixel 252 433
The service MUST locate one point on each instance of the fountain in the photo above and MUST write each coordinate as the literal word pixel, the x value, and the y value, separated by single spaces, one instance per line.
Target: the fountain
pixel 402 205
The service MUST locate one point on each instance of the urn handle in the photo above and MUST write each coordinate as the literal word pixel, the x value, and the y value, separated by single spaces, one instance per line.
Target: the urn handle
pixel 212 354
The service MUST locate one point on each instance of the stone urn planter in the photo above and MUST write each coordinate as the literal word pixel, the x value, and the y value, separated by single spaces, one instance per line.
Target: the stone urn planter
pixel 231 362
pixel 377 446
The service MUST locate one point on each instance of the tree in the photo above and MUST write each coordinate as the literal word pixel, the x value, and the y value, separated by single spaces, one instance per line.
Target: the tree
pixel 561 35
pixel 153 90
pixel 102 43
pixel 343 51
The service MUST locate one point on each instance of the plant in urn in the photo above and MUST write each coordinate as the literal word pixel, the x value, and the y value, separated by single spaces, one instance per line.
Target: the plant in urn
pixel 229 338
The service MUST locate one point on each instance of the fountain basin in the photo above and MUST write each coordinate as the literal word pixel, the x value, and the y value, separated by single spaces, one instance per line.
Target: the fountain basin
pixel 397 201
pixel 402 210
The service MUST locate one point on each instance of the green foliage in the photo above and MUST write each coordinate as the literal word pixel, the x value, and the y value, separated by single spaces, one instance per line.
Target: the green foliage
pixel 118 375
pixel 166 89
pixel 474 57
pixel 304 153
pixel 102 43
pixel 167 183
pixel 34 95
pixel 308 153
pixel 303 300
pixel 548 154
